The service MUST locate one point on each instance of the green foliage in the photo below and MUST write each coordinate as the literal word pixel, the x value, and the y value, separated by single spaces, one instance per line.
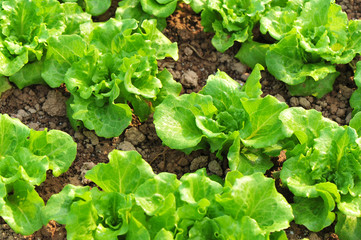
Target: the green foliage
pixel 322 170
pixel 25 28
pixel 25 156
pixel 303 46
pixel 137 204
pixel 227 118
pixel 146 9
pixel 103 79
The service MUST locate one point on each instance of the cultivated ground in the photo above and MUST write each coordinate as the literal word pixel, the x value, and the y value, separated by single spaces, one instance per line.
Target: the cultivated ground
pixel 40 107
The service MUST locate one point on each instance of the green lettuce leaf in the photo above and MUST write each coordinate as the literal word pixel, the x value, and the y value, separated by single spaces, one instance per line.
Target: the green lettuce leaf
pixel 117 176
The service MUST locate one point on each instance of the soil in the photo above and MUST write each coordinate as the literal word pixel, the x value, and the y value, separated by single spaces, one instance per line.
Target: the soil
pixel 41 107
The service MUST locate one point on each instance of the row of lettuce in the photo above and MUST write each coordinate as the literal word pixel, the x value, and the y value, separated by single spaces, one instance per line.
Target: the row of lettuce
pixel 111 72
pixel 106 66
pixel 297 45
pixel 322 170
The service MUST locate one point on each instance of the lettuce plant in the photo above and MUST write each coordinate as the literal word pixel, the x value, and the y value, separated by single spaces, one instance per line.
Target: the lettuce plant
pixel 323 169
pixel 231 20
pixel 25 27
pixel 137 204
pixel 355 100
pixel 25 157
pixel 226 117
pixel 146 9
pixel 309 46
pixel 109 66
pixel 69 16
pixel 93 7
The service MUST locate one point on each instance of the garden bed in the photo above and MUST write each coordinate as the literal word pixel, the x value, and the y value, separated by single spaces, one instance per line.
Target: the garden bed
pixel 41 107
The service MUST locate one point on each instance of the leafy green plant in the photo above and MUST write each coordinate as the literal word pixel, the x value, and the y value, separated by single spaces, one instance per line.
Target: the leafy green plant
pixel 138 204
pixel 355 100
pixel 69 16
pixel 25 27
pixel 25 156
pixel 226 117
pixel 230 20
pixel 110 65
pixel 322 170
pixel 93 7
pixel 146 9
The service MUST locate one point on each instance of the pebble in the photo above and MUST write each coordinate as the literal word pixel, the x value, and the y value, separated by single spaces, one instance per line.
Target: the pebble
pixel 294 102
pixel 280 98
pixel 348 118
pixel 78 135
pixel 54 104
pixel 238 67
pixel 91 135
pixel 340 112
pixel 134 136
pixel 199 162
pixel 314 236
pixel 305 103
pixel 22 114
pixel 32 110
pixel 333 108
pixel 126 146
pixel 190 79
pixel 215 168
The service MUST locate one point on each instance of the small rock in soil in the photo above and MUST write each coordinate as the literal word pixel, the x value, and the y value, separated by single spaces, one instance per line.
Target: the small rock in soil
pixel 215 168
pixel 305 103
pixel 55 104
pixel 126 146
pixel 22 114
pixel 348 118
pixel 280 98
pixel 78 135
pixel 199 162
pixel 190 79
pixel 294 102
pixel 239 67
pixel 313 236
pixel 84 169
pixel 134 136
pixel 93 138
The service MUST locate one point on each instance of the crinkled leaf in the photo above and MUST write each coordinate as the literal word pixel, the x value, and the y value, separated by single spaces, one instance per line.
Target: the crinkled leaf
pixel 348 227
pixel 23 208
pixel 58 206
pixel 159 8
pixel 175 119
pixel 246 228
pixel 264 128
pixel 124 173
pixel 285 60
pixel 305 124
pixel 255 196
pixel 58 146
pixel 13 134
pixel 108 120
pixel 314 213
pixel 97 7
pixel 81 220
pixel 30 74
pixel 252 53
pixel 4 85
pixel 247 161
pixel 197 186
pixel 74 17
pixel 315 88
pixel 62 52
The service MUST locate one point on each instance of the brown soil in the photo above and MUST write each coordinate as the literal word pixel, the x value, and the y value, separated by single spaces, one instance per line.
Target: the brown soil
pixel 40 107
